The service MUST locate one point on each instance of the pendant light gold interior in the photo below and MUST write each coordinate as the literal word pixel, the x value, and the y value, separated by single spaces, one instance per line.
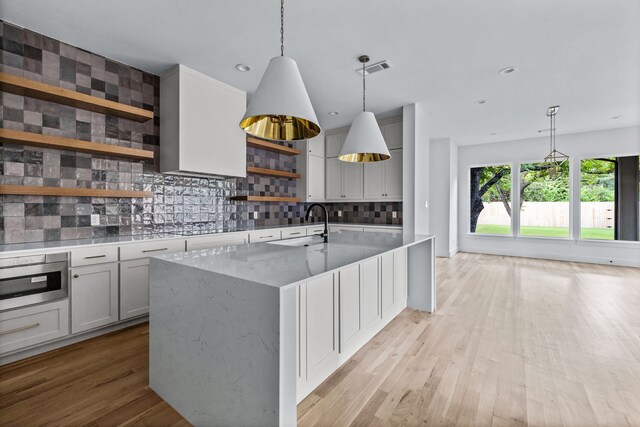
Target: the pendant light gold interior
pixel 280 128
pixel 364 157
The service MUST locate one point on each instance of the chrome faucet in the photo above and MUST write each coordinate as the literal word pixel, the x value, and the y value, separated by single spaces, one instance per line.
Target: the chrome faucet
pixel 325 235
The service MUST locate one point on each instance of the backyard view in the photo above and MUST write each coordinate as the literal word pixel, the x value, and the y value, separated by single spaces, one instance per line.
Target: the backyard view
pixel 544 200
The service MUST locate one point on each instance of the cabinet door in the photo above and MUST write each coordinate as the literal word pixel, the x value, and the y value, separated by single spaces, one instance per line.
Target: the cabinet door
pixel 322 331
pixel 94 296
pixel 350 299
pixel 134 288
pixel 333 144
pixel 333 189
pixel 387 294
pixel 352 177
pixel 393 175
pixel 315 146
pixel 315 178
pixel 400 275
pixel 374 180
pixel 370 293
pixel 392 133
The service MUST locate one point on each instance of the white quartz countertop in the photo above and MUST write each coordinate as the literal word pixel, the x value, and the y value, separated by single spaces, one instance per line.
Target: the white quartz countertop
pixel 278 265
pixel 68 244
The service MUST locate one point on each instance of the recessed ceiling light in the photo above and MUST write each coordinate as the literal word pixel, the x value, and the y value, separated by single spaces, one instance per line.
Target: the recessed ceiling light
pixel 333 113
pixel 508 70
pixel 242 67
pixel 481 101
pixel 494 133
pixel 616 117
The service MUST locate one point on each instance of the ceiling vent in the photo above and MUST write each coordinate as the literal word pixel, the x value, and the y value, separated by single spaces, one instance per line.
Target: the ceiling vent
pixel 374 68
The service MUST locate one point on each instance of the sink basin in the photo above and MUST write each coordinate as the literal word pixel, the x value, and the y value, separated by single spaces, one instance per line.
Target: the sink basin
pixel 298 241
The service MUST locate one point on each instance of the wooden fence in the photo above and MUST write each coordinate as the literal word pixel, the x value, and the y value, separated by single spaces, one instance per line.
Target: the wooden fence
pixel 551 214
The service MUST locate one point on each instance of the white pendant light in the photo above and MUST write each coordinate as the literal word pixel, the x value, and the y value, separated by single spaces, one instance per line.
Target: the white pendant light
pixel 364 142
pixel 281 110
pixel 555 158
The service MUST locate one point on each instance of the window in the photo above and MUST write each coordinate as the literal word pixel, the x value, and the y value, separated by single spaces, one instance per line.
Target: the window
pixel 544 200
pixel 490 200
pixel 609 201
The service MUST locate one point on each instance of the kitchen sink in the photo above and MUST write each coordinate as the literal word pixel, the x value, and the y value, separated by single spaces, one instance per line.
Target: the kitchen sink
pixel 298 241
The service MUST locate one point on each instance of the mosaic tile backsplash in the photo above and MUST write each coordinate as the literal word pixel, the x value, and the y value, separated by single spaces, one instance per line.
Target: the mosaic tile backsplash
pixel 179 204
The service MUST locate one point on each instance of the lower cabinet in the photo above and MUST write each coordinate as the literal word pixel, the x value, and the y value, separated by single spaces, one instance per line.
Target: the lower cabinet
pixel 24 327
pixel 338 313
pixel 134 288
pixel 318 330
pixel 94 296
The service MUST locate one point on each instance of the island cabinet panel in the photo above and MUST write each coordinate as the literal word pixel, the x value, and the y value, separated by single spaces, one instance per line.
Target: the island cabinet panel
pixel 134 288
pixel 371 293
pixel 400 277
pixel 223 239
pixel 350 301
pixel 387 293
pixel 94 296
pixel 318 333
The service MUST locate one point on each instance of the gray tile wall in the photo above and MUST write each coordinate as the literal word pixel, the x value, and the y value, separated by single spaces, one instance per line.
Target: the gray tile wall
pixel 179 203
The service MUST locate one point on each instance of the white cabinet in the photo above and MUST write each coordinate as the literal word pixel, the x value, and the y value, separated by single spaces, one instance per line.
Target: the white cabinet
pixel 387 292
pixel 199 132
pixel 383 180
pixel 265 235
pixel 318 329
pixel 288 233
pixel 333 143
pixel 350 297
pixel 134 288
pixel 94 296
pixel 147 249
pixel 310 166
pixel 33 325
pixel 93 255
pixel 370 293
pixel 344 180
pixel 392 133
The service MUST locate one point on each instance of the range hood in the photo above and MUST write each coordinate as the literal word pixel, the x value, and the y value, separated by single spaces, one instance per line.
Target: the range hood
pixel 199 133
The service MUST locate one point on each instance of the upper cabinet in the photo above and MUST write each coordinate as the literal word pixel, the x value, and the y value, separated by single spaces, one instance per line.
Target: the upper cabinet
pixel 199 125
pixel 310 166
pixel 379 181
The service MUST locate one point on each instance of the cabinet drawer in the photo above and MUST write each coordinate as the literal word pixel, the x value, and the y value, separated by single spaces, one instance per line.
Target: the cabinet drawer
pixel 293 232
pixel 264 235
pixel 33 325
pixel 147 249
pixel 312 231
pixel 203 242
pixel 94 255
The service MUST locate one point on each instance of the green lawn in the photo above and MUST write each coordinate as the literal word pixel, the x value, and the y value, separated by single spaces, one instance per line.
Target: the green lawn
pixel 586 233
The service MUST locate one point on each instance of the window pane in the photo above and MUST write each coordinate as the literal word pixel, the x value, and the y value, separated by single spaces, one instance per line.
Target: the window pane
pixel 609 200
pixel 544 200
pixel 491 200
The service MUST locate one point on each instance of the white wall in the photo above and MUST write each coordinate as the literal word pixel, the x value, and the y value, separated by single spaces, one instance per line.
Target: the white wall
pixel 415 175
pixel 443 195
pixel 622 141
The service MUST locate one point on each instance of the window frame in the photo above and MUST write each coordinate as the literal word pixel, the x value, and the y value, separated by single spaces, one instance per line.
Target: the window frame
pixel 511 223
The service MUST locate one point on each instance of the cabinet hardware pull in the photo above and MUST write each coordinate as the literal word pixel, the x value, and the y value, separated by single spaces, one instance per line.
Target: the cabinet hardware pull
pixel 95 256
pixel 265 237
pixel 21 328
pixel 75 276
pixel 154 250
pixel 297 232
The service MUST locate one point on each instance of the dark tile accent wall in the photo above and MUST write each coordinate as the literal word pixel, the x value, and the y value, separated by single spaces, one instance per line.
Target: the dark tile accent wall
pixel 375 213
pixel 179 203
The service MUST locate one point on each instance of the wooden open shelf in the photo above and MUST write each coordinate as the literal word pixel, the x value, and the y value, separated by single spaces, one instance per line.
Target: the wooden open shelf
pixel 60 143
pixel 266 199
pixel 24 190
pixel 271 146
pixel 33 89
pixel 272 172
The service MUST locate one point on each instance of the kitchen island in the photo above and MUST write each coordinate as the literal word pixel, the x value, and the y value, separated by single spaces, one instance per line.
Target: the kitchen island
pixel 239 334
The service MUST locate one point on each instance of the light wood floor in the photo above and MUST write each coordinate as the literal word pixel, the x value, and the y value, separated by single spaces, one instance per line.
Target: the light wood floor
pixel 514 342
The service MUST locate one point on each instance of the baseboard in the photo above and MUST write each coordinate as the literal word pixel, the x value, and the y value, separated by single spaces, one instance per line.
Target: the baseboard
pixel 68 340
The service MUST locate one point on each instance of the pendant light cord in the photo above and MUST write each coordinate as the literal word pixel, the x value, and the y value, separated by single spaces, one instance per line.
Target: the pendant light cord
pixel 281 27
pixel 364 88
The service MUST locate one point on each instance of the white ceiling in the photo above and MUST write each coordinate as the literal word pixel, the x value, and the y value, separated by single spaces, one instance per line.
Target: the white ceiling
pixel 581 54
